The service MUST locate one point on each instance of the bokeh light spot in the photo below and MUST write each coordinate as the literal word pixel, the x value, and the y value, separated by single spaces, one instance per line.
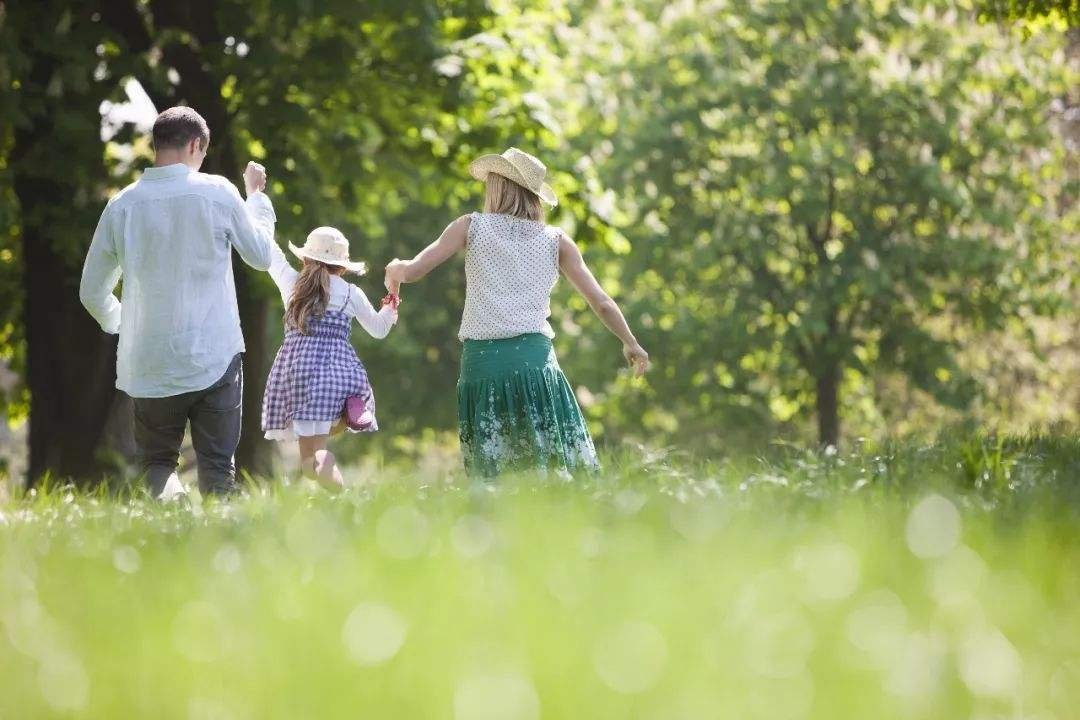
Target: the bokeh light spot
pixel 402 532
pixel 631 658
pixel 989 664
pixel 502 696
pixel 472 536
pixel 933 527
pixel 126 559
pixel 373 633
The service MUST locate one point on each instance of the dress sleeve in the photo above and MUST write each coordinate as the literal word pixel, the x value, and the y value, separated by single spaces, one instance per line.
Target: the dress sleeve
pixel 282 273
pixel 376 323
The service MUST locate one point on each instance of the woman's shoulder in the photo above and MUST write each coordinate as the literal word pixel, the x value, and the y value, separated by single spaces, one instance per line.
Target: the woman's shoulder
pixel 556 234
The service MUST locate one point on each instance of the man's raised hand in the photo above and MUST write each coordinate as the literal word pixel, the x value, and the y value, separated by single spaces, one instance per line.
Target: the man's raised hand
pixel 254 178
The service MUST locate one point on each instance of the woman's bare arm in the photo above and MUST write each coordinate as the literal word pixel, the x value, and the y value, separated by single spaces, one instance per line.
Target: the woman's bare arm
pixel 451 241
pixel 577 272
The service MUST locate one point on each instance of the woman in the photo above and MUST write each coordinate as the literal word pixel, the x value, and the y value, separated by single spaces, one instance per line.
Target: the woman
pixel 515 407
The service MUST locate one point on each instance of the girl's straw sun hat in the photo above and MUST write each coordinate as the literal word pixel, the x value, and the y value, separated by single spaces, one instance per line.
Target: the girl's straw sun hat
pixel 328 245
pixel 519 166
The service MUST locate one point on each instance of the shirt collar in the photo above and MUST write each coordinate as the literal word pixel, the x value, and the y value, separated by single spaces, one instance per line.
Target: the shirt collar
pixel 166 171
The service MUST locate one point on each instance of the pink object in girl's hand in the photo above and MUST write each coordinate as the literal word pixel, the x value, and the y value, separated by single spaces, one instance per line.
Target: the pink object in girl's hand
pixel 357 414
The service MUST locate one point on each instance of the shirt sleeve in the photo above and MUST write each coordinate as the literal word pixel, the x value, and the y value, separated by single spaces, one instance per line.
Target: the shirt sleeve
pixel 252 227
pixel 377 324
pixel 101 273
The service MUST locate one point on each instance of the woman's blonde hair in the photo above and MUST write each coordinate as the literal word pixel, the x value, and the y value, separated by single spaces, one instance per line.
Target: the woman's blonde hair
pixel 310 294
pixel 506 197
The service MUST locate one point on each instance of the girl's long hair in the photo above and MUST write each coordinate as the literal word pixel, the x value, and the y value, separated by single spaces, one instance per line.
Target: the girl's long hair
pixel 506 197
pixel 310 295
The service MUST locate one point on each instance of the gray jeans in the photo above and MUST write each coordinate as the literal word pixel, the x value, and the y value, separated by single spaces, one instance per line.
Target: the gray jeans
pixel 215 432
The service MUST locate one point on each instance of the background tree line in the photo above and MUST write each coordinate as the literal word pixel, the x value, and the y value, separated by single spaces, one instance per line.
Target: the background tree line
pixel 824 217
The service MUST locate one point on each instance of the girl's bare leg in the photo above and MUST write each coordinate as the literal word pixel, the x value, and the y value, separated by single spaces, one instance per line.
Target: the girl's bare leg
pixel 308 446
pixel 338 427
pixel 319 464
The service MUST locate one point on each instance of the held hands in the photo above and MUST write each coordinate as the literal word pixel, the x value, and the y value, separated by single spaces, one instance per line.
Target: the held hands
pixel 637 358
pixel 393 286
pixel 395 275
pixel 393 300
pixel 254 178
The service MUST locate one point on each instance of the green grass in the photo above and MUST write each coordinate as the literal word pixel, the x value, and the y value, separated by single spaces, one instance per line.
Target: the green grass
pixel 937 581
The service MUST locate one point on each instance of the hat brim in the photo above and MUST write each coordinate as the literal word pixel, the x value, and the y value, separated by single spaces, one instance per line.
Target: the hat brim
pixel 359 268
pixel 485 164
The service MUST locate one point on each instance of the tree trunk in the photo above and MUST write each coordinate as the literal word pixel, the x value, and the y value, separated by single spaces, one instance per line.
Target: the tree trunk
pixel 255 454
pixel 828 405
pixel 75 410
pixel 71 367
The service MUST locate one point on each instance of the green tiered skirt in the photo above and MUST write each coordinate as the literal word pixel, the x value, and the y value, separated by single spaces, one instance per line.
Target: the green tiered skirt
pixel 516 410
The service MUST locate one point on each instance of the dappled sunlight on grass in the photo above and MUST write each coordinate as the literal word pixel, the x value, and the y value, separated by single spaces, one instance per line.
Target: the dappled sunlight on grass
pixel 878 583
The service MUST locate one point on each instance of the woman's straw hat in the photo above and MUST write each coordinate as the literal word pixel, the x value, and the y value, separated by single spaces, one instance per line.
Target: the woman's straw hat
pixel 328 245
pixel 519 166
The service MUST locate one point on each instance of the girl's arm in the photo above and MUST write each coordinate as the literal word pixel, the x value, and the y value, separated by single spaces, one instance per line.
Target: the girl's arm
pixel 450 242
pixel 377 324
pixel 282 273
pixel 577 272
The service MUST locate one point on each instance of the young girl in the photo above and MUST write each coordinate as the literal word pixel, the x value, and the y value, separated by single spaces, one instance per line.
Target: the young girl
pixel 316 369
pixel 515 407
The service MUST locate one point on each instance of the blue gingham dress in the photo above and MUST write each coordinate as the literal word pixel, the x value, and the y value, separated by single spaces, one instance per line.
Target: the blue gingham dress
pixel 314 373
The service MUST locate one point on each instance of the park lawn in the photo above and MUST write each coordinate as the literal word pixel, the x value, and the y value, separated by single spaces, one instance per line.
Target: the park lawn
pixel 907 581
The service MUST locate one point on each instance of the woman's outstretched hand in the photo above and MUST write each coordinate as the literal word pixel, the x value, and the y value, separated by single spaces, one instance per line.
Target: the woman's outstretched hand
pixel 395 275
pixel 637 358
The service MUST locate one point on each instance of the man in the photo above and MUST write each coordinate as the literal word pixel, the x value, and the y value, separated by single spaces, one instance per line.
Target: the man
pixel 170 235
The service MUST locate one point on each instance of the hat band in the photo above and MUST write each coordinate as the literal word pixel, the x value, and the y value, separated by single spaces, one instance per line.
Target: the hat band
pixel 324 254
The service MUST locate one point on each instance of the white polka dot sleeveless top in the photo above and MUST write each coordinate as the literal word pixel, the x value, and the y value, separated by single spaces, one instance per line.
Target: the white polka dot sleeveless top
pixel 511 267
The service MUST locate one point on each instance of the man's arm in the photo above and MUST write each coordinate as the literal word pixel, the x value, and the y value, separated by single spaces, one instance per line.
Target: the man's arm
pixel 252 230
pixel 101 272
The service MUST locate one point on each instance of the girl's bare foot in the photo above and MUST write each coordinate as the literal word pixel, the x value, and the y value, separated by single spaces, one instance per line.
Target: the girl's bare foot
pixel 327 472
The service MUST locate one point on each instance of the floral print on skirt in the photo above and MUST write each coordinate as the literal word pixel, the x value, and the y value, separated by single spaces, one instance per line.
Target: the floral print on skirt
pixel 516 410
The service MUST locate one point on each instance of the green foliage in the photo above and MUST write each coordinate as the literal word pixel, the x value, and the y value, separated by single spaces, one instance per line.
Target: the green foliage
pixel 381 150
pixel 872 583
pixel 350 110
pixel 815 190
pixel 12 347
pixel 49 149
pixel 784 196
pixel 1068 10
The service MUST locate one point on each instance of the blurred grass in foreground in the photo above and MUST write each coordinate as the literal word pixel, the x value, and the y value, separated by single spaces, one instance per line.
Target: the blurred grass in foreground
pixel 936 581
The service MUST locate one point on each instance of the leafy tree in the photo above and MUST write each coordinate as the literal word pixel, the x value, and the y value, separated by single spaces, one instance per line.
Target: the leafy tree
pixel 816 192
pixel 793 200
pixel 337 98
pixel 1069 10
pixel 55 173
